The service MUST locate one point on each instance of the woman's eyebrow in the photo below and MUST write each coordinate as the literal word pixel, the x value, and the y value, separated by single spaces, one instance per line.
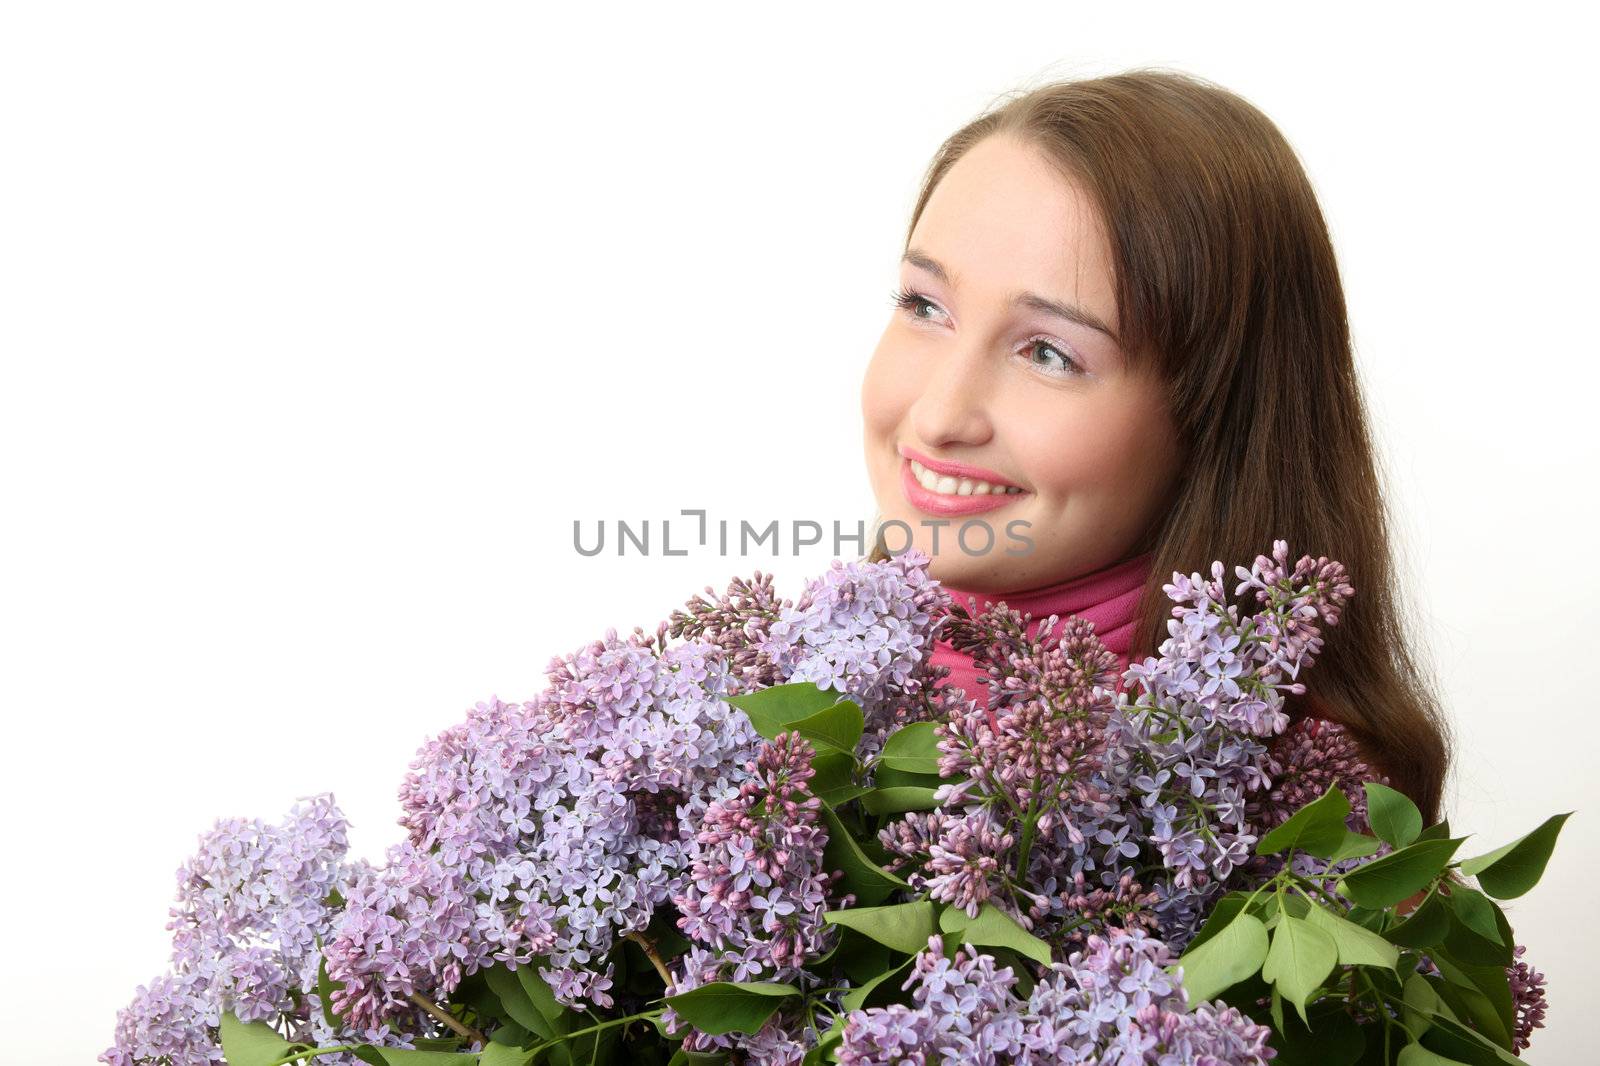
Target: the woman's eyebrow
pixel 1031 300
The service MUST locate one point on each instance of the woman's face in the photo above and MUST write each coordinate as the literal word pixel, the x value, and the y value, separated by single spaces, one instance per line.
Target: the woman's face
pixel 998 394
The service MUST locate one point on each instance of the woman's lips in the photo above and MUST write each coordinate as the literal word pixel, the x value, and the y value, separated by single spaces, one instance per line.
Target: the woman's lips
pixel 939 503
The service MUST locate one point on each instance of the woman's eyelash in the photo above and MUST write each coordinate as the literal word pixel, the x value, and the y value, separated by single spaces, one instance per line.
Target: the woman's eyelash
pixel 908 299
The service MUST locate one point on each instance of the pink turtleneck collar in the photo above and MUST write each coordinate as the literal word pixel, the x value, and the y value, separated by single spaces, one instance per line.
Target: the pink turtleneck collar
pixel 1109 598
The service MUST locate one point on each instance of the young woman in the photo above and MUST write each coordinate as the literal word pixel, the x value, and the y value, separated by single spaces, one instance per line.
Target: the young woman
pixel 1120 350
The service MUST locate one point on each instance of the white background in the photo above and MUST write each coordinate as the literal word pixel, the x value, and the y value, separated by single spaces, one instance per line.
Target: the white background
pixel 322 322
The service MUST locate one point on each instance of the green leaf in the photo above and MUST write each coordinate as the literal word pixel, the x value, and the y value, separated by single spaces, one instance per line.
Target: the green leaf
pixel 904 927
pixel 501 1055
pixel 1477 912
pixel 1477 993
pixel 1222 914
pixel 1355 846
pixel 251 1043
pixel 1332 1039
pixel 860 957
pixel 889 777
pixel 1439 831
pixel 878 991
pixel 1449 1037
pixel 772 710
pixel 913 748
pixel 558 1016
pixel 731 1006
pixel 1392 815
pixel 1420 1003
pixel 899 800
pixel 994 928
pixel 1467 945
pixel 399 1056
pixel 706 1058
pixel 1400 874
pixel 1300 958
pixel 834 729
pixel 504 983
pixel 1356 946
pixel 1423 927
pixel 834 773
pixel 1508 872
pixel 1417 1055
pixel 870 882
pixel 1318 827
pixel 1226 957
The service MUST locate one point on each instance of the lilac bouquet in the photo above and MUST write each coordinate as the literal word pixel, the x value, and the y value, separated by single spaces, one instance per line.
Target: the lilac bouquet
pixel 770 833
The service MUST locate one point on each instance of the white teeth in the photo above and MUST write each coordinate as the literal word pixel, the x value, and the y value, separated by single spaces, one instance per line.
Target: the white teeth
pixel 946 485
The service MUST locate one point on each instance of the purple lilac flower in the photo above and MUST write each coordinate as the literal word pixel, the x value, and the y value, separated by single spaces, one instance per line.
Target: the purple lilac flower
pixel 1111 1003
pixel 1309 757
pixel 1528 997
pixel 172 1020
pixel 404 931
pixel 752 905
pixel 1027 757
pixel 736 621
pixel 542 832
pixel 1185 756
pixel 862 629
pixel 252 903
pixel 962 858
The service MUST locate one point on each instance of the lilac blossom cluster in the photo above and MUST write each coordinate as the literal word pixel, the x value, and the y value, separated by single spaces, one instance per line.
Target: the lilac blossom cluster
pixel 1308 758
pixel 1185 756
pixel 753 902
pixel 1064 775
pixel 1112 1002
pixel 864 630
pixel 252 904
pixel 1024 765
pixel 1528 999
pixel 541 832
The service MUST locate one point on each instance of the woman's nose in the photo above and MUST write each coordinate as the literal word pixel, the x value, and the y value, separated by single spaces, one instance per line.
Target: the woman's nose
pixel 954 404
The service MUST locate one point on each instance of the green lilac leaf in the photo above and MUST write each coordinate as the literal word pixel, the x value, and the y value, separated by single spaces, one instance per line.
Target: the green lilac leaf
pixel 869 882
pixel 994 928
pixel 1300 958
pixel 1508 872
pixel 833 730
pixel 904 927
pixel 251 1043
pixel 899 799
pixel 1318 827
pixel 913 748
pixel 731 1006
pixel 1356 946
pixel 772 710
pixel 1226 957
pixel 1400 874
pixel 1392 815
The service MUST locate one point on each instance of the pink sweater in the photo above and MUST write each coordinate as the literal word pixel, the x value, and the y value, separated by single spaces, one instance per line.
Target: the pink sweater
pixel 1109 598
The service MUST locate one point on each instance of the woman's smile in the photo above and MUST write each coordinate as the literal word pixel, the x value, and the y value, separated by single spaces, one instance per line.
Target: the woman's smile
pixel 942 487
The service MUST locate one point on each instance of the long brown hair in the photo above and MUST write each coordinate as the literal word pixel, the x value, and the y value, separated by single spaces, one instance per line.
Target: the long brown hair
pixel 1227 286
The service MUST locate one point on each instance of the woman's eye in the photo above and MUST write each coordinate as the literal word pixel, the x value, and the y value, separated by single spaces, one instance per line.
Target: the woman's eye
pixel 1047 357
pixel 912 302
